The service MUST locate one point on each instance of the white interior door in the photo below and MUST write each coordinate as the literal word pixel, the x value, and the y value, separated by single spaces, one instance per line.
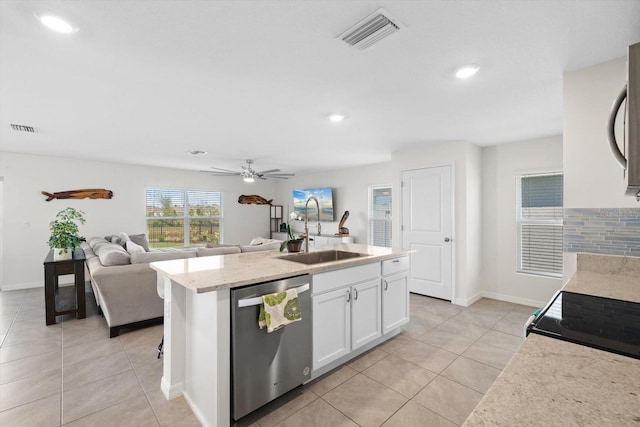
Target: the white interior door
pixel 427 229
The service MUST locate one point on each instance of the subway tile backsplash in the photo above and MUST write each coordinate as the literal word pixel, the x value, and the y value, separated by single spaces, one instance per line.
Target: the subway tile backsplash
pixel 612 231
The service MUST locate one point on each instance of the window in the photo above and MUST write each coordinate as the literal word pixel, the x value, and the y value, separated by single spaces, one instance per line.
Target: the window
pixel 380 216
pixel 539 220
pixel 177 217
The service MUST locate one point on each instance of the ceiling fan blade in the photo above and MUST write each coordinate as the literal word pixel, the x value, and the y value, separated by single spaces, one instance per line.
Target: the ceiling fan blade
pixel 280 174
pixel 222 173
pixel 275 177
pixel 223 170
pixel 269 171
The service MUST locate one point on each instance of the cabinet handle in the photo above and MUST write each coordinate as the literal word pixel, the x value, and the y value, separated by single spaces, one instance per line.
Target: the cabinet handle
pixel 395 261
pixel 386 285
pixel 355 297
pixel 348 295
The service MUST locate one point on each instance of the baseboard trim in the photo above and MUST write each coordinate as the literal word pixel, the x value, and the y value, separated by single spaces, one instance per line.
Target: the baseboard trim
pixel 468 301
pixel 171 391
pixel 515 300
pixel 22 286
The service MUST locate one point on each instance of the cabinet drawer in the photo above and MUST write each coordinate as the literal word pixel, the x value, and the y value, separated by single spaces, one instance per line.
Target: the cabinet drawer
pixel 396 265
pixel 330 280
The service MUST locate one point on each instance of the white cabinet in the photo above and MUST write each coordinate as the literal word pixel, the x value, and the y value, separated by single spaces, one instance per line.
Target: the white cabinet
pixel 331 326
pixel 355 306
pixel 279 235
pixel 365 313
pixel 346 312
pixel 395 293
pixel 329 240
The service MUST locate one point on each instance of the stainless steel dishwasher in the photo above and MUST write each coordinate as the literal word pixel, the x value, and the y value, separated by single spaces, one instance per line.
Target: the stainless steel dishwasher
pixel 265 365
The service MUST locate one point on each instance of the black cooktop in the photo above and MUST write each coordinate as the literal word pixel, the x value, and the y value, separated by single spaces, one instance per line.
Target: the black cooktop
pixel 603 323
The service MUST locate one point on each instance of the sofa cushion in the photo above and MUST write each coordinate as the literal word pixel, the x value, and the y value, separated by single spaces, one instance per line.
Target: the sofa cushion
pixel 140 239
pixel 112 254
pixel 133 248
pixel 95 240
pixel 218 245
pixel 142 257
pixel 218 251
pixel 274 246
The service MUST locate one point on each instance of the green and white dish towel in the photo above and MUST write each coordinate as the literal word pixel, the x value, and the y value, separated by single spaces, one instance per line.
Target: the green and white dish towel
pixel 279 309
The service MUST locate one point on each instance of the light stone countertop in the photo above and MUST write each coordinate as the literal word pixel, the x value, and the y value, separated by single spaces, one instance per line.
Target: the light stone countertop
pixel 206 274
pixel 552 382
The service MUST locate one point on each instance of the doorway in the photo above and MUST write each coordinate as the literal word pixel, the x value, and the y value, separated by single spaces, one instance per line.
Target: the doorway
pixel 427 228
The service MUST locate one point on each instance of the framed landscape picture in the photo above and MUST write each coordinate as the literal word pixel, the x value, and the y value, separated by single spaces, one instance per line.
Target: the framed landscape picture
pixel 325 200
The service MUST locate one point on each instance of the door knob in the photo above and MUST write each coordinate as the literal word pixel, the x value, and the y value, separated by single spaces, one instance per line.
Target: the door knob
pixel 446 239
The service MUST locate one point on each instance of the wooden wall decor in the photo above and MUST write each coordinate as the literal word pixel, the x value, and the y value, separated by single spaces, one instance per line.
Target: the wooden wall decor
pixel 92 193
pixel 253 200
pixel 342 230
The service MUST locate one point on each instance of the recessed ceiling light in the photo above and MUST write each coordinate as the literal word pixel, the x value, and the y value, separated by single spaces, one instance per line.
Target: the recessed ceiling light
pixel 57 24
pixel 336 117
pixel 197 152
pixel 467 71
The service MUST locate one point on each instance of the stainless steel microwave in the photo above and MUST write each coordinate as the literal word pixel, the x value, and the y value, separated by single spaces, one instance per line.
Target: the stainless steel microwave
pixel 631 92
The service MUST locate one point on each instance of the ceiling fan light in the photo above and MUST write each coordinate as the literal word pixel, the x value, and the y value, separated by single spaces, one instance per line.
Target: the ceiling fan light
pixel 248 179
pixel 467 71
pixel 57 24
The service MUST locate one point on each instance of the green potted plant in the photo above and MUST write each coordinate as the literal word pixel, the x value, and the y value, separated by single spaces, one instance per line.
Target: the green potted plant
pixel 293 243
pixel 65 236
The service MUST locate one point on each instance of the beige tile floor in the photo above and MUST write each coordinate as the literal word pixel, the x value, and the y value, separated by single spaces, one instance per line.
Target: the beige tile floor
pixel 73 374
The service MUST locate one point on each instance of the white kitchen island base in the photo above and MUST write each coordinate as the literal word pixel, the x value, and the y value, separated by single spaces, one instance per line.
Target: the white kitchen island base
pixel 197 351
pixel 197 315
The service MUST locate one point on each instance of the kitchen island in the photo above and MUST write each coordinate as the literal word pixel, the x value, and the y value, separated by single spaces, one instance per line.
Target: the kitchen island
pixel 197 316
pixel 552 382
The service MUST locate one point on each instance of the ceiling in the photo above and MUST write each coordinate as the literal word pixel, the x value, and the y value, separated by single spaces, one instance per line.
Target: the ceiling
pixel 143 82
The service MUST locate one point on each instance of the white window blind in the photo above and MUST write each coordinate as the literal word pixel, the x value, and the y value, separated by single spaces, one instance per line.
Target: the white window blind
pixel 380 216
pixel 539 220
pixel 180 217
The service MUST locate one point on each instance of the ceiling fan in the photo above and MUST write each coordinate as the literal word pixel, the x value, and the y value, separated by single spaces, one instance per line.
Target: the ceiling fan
pixel 248 174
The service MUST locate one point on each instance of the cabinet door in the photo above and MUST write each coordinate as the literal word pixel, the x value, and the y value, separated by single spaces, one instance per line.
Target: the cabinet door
pixel 320 240
pixel 365 313
pixel 395 302
pixel 331 326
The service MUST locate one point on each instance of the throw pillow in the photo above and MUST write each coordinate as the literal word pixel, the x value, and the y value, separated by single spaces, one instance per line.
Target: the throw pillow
pixel 262 241
pixel 113 255
pixel 133 248
pixel 264 247
pixel 140 239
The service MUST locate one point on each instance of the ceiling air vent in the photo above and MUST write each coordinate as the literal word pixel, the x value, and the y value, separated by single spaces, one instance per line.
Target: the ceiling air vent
pixel 23 128
pixel 371 29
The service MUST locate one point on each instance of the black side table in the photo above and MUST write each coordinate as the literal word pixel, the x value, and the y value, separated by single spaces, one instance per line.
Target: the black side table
pixel 67 299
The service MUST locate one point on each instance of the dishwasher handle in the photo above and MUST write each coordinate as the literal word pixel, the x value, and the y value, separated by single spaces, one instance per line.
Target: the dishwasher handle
pixel 249 302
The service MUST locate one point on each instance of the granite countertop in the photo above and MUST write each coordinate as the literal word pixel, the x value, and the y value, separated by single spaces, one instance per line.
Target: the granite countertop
pixel 206 274
pixel 554 382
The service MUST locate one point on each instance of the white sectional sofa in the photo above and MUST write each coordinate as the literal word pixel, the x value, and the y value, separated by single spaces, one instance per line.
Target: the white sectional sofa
pixel 124 285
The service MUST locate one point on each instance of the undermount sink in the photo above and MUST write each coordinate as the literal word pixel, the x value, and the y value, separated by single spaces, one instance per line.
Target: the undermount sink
pixel 321 256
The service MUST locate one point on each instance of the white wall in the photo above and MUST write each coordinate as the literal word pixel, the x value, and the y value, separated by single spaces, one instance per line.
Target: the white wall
pixel 350 193
pixel 500 166
pixel 592 178
pixel 466 159
pixel 26 214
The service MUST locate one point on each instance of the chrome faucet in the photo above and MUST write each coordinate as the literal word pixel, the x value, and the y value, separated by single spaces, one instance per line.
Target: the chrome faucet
pixel 306 221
